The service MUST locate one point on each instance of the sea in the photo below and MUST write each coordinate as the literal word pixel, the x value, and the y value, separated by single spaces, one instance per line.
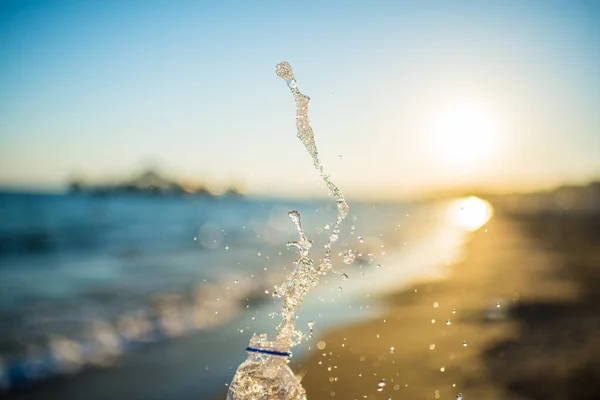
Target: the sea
pixel 134 296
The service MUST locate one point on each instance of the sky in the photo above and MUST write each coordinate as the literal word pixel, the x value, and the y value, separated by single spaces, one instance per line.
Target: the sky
pixel 406 96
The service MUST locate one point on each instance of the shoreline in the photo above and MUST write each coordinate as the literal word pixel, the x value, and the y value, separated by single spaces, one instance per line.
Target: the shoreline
pixel 542 270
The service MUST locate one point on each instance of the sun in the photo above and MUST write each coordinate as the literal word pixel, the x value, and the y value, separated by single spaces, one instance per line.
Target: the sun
pixel 464 134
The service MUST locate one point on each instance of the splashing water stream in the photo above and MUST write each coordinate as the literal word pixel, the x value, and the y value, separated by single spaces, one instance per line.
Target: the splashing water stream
pixel 305 275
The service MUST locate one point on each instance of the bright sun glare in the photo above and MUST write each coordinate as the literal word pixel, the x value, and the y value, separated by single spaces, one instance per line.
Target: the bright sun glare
pixel 470 213
pixel 464 134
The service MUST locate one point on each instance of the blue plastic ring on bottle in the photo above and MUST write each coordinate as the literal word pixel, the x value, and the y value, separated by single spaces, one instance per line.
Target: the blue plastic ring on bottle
pixel 272 352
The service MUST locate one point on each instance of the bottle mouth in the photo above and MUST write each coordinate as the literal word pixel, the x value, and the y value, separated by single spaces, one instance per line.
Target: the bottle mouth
pixel 264 345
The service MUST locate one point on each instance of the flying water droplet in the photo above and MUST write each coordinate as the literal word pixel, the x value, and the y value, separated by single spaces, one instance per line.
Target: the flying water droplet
pixel 443 369
pixel 459 396
pixel 436 305
pixel 392 350
pixel 465 343
pixel 381 386
pixel 454 311
pixel 349 257
pixel 344 276
pixel 449 322
pixel 361 239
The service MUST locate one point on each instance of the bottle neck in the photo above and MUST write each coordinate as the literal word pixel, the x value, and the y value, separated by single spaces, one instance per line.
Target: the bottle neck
pixel 262 347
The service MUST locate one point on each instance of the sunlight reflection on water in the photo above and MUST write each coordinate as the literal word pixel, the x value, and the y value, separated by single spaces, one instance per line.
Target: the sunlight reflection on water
pixel 471 213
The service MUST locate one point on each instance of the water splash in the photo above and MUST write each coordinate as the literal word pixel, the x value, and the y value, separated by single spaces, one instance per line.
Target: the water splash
pixel 305 275
pixel 303 278
pixel 307 137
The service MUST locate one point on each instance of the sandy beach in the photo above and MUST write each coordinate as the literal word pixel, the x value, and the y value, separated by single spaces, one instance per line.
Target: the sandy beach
pixel 516 318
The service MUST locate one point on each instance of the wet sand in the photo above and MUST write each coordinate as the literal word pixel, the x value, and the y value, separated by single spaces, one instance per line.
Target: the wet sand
pixel 526 324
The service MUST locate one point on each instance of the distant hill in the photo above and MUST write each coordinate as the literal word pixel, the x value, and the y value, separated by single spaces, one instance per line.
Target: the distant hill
pixel 567 197
pixel 149 182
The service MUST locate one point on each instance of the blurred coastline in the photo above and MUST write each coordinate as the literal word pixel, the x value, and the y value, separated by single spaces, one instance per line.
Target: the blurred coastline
pixel 116 283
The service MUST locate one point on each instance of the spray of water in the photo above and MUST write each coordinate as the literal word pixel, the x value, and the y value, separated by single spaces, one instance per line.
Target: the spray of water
pixel 305 275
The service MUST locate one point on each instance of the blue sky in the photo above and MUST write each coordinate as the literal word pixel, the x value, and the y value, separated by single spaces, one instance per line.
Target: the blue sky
pixel 101 89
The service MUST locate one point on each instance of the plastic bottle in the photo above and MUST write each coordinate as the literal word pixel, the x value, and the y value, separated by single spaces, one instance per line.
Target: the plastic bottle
pixel 265 375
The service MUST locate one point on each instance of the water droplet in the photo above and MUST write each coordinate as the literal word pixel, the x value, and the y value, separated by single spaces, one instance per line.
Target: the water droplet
pixel 448 322
pixel 344 276
pixel 340 288
pixel 266 292
pixel 454 311
pixel 433 321
pixel 378 265
pixel 459 396
pixel 465 343
pixel 392 350
pixel 443 369
pixel 349 257
pixel 396 387
pixel 436 305
pixel 381 386
pixel 321 345
pixel 195 238
pixel 340 157
pixel 311 324
pixel 432 347
pixel 361 239
pixel 498 305
pixel 237 281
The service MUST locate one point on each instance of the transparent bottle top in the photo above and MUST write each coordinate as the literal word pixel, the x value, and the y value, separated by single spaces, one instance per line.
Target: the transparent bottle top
pixel 262 344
